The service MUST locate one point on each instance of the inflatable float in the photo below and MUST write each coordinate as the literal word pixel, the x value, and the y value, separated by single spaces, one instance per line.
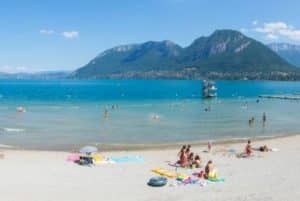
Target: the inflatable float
pixel 157 181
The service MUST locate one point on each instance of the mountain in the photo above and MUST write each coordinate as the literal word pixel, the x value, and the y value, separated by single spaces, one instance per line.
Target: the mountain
pixel 44 75
pixel 138 57
pixel 287 51
pixel 225 54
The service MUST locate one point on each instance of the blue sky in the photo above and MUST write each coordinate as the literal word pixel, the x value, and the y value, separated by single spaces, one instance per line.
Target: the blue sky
pixel 64 34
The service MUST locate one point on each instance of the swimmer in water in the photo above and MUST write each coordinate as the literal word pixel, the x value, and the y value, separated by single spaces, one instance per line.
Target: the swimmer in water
pixel 105 113
pixel 264 118
pixel 21 109
pixel 155 117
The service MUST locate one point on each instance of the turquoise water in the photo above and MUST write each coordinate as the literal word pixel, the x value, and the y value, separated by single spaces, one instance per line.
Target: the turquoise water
pixel 63 114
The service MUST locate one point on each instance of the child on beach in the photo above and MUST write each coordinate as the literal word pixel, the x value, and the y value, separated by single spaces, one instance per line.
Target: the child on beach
pixel 248 148
pixel 209 146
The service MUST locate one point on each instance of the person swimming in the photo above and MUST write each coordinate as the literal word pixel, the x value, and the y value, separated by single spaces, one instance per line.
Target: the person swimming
pixel 20 109
pixel 251 121
pixel 155 117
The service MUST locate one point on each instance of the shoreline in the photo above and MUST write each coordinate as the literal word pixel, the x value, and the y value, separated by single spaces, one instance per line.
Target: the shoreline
pixel 152 147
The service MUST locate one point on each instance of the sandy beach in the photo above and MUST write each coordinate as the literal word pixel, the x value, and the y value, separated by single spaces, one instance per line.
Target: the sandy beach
pixel 47 176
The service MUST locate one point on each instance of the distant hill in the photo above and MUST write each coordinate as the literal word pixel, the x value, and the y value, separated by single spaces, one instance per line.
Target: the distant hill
pixel 287 51
pixel 46 75
pixel 225 54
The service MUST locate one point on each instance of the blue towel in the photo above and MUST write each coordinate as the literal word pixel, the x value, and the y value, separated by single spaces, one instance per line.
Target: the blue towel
pixel 124 159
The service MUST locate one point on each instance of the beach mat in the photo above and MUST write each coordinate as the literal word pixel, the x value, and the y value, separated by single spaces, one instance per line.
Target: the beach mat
pixel 216 179
pixel 164 172
pixel 124 159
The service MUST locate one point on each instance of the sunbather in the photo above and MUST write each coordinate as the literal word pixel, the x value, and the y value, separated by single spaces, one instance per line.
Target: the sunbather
pixel 197 161
pixel 210 171
pixel 191 158
pixel 181 150
pixel 264 148
pixel 183 161
pixel 187 151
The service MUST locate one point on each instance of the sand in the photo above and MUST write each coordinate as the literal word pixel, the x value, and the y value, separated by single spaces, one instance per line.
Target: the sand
pixel 47 176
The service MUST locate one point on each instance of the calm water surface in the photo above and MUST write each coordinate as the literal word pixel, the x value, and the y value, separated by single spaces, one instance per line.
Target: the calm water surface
pixel 65 113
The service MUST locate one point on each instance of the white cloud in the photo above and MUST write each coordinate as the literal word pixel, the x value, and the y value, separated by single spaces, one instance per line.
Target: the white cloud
pixel 243 30
pixel 272 36
pixel 275 30
pixel 47 31
pixel 254 22
pixel 19 69
pixel 70 34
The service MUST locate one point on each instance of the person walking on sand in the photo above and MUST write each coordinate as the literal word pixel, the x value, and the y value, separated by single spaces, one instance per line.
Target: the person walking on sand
pixel 209 146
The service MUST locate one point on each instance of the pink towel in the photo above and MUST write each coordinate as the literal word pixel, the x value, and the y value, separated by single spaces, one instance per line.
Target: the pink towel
pixel 73 157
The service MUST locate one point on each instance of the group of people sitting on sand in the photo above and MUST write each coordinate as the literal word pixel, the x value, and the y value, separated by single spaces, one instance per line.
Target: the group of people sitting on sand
pixel 188 158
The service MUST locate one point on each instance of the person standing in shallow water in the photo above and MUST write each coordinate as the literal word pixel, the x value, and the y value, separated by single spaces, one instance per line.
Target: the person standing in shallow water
pixel 264 118
pixel 106 113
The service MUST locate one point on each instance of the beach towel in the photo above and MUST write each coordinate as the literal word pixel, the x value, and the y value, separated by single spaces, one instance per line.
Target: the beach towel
pixel 244 155
pixel 216 179
pixel 202 182
pixel 164 172
pixel 97 158
pixel 182 177
pixel 177 165
pixel 104 161
pixel 73 157
pixel 124 159
pixel 274 149
pixel 189 180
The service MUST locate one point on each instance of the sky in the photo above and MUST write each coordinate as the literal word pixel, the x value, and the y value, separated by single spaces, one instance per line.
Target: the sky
pixel 67 34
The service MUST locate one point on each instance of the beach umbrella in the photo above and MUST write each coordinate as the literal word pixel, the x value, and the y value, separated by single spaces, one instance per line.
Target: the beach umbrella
pixel 88 149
